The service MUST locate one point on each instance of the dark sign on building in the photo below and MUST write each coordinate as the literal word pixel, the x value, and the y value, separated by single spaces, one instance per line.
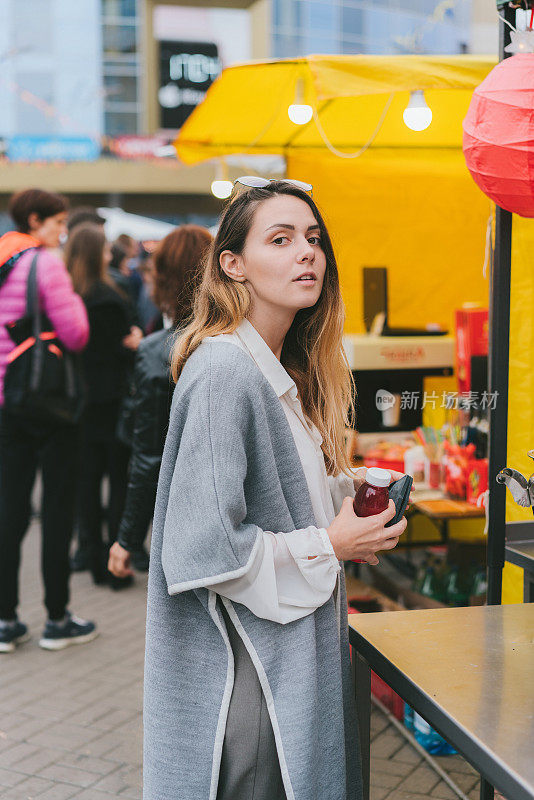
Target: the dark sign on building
pixel 186 70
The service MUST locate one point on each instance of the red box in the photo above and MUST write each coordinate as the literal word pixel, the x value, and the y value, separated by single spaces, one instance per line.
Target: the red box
pixel 471 340
pixel 477 479
pixel 381 690
pixel 385 463
pixel 387 696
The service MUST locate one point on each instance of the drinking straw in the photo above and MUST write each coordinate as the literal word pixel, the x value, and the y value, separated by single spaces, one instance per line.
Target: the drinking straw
pixel 420 436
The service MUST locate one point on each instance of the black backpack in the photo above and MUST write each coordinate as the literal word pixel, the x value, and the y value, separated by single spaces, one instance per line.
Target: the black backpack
pixel 43 379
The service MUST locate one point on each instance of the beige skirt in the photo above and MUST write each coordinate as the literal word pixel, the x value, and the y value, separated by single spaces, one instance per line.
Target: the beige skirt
pixel 250 769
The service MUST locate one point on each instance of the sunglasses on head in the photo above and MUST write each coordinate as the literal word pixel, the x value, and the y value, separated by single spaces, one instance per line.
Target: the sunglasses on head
pixel 256 182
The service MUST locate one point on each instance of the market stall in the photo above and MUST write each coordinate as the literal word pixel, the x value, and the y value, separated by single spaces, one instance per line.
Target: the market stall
pixel 393 197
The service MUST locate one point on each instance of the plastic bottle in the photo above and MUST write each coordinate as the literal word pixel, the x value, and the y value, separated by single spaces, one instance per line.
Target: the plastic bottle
pixel 373 496
pixel 408 717
pixel 429 738
pixel 430 586
pixel 455 593
pixel 479 586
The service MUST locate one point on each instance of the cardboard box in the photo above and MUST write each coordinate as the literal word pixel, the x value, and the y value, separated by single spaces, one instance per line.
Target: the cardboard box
pixel 471 340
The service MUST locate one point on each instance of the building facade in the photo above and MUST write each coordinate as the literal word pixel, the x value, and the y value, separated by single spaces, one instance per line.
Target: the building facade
pixel 87 88
pixel 382 27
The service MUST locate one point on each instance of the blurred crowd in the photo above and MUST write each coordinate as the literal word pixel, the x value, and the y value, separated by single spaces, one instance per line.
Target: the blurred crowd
pixel 117 304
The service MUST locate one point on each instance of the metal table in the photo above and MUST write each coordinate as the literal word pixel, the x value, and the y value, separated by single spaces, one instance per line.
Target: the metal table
pixel 522 554
pixel 469 672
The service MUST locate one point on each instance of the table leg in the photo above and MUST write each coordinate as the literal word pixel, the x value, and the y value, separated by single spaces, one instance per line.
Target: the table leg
pixel 487 791
pixel 361 674
pixel 445 531
pixel 528 587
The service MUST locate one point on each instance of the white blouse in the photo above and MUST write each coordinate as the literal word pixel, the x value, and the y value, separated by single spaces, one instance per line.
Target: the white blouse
pixel 295 572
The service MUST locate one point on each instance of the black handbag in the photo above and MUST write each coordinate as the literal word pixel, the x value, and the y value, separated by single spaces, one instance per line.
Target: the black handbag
pixel 43 380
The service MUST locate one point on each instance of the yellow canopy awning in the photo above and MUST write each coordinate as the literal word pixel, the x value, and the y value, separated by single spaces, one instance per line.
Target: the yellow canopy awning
pixel 245 110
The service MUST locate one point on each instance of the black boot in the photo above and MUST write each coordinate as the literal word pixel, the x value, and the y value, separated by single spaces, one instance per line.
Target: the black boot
pixel 99 565
pixel 80 561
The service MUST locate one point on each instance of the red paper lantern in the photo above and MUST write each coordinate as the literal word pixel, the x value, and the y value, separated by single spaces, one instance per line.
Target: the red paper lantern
pixel 499 135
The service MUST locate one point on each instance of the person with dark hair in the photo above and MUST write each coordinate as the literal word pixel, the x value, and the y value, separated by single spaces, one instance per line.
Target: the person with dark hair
pixel 119 271
pixel 177 262
pixel 84 215
pixel 248 689
pixel 27 444
pixel 36 209
pixel 149 315
pixel 128 244
pixel 106 362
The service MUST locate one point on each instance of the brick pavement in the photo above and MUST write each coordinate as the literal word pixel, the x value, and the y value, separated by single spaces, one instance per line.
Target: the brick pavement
pixel 70 721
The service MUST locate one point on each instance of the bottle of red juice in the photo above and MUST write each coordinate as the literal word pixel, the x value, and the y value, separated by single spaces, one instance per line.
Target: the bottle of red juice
pixel 373 495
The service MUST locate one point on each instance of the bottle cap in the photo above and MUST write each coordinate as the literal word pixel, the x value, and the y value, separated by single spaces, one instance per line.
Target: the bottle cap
pixel 378 477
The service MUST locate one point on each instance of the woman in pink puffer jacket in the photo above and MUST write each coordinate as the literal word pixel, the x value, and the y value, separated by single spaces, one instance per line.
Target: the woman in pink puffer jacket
pixel 27 444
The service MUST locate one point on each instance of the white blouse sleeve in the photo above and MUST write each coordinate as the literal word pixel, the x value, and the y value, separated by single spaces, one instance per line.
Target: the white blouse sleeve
pixel 292 575
pixel 342 486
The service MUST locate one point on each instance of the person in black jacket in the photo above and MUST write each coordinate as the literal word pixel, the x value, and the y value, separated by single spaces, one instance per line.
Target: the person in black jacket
pixel 177 269
pixel 107 360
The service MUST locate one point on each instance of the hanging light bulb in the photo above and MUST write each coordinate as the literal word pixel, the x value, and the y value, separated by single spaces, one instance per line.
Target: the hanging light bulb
pixel 417 115
pixel 299 112
pixel 221 187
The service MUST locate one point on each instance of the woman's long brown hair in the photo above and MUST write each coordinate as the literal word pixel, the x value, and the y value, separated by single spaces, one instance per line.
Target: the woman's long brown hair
pixel 177 261
pixel 312 353
pixel 84 257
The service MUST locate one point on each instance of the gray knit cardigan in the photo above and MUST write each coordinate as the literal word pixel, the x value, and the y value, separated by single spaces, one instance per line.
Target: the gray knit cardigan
pixel 231 469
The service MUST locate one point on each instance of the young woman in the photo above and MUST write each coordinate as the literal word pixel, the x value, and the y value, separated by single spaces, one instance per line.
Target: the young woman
pixel 106 361
pixel 176 263
pixel 28 444
pixel 247 685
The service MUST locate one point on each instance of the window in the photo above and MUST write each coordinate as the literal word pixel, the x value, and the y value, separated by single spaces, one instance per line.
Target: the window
pixel 119 39
pixel 120 88
pixel 352 21
pixel 322 18
pixel 119 123
pixel 119 8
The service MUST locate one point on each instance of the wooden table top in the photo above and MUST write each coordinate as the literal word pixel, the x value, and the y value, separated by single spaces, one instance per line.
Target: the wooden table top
pixel 447 508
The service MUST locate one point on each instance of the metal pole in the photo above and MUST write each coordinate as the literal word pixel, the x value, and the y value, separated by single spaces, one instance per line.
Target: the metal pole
pixel 499 338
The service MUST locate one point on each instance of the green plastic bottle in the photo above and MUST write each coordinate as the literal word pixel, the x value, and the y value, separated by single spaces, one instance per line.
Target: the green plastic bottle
pixel 455 593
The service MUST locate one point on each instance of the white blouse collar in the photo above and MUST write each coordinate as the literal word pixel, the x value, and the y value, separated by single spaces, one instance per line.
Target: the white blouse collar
pixel 266 360
pixel 275 373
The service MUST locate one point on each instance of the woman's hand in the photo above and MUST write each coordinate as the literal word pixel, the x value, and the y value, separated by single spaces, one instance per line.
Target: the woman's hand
pixel 134 338
pixel 361 538
pixel 119 561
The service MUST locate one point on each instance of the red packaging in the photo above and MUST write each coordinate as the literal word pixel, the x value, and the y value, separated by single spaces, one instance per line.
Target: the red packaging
pixel 477 479
pixel 456 475
pixel 385 463
pixel 381 690
pixel 471 340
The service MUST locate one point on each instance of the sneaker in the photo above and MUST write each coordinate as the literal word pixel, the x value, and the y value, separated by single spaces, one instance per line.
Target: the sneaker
pixel 12 634
pixel 140 559
pixel 73 630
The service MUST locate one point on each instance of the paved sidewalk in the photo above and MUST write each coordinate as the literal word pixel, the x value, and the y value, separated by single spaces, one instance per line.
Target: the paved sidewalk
pixel 70 721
